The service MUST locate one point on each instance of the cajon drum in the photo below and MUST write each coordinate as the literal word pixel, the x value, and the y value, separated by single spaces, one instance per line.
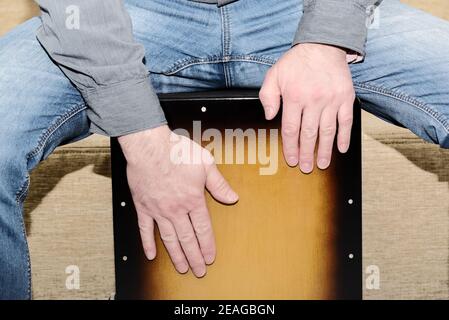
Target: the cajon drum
pixel 290 236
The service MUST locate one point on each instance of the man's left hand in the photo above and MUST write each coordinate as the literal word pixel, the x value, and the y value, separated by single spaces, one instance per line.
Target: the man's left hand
pixel 316 87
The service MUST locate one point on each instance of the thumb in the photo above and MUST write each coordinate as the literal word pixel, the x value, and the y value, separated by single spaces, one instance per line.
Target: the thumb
pixel 218 187
pixel 270 94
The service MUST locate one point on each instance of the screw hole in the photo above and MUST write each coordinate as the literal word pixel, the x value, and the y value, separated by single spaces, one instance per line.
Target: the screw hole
pixel 125 258
pixel 203 109
pixel 123 203
pixel 350 201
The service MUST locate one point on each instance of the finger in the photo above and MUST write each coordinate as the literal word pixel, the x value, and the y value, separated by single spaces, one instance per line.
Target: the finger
pixel 291 124
pixel 308 136
pixel 270 94
pixel 328 128
pixel 146 227
pixel 203 229
pixel 171 243
pixel 189 244
pixel 345 119
pixel 218 187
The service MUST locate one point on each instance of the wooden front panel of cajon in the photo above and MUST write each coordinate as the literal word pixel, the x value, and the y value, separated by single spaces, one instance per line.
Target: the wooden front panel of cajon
pixel 282 240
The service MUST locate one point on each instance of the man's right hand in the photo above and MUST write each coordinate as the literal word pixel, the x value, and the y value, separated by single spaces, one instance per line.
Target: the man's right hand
pixel 171 193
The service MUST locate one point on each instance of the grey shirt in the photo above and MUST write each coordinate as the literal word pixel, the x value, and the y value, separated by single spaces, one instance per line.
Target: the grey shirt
pixel 107 66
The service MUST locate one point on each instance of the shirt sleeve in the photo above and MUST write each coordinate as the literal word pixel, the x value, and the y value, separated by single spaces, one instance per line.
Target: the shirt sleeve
pixel 92 42
pixel 342 23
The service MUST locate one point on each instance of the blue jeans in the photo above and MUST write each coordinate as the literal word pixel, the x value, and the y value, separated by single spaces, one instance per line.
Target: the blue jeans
pixel 190 47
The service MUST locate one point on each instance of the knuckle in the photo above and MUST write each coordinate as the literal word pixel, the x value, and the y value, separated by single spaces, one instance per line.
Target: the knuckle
pixel 290 129
pixel 171 216
pixel 349 89
pixel 351 94
pixel 202 228
pixel 343 91
pixel 346 120
pixel 185 237
pixel 169 237
pixel 145 227
pixel 309 132
pixel 331 96
pixel 327 131
pixel 348 94
pixel 293 95
pixel 169 210
pixel 317 94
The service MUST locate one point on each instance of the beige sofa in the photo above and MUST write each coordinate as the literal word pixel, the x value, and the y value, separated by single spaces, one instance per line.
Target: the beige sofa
pixel 405 207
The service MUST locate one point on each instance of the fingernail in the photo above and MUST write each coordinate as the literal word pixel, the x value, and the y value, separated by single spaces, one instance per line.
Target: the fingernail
pixel 344 147
pixel 233 197
pixel 182 268
pixel 209 259
pixel 150 254
pixel 199 271
pixel 306 167
pixel 323 163
pixel 292 161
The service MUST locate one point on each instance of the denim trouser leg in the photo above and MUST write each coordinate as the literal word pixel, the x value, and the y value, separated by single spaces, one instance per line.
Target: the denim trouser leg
pixel 405 76
pixel 193 46
pixel 39 109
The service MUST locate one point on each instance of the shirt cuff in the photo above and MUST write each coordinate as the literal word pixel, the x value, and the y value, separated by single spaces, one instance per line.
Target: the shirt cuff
pixel 340 23
pixel 124 108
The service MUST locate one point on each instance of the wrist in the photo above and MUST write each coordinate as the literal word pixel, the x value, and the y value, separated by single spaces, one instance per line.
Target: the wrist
pixel 143 141
pixel 318 49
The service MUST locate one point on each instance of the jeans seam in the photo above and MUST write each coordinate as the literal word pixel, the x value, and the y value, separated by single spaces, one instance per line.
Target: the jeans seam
pixel 19 196
pixel 21 193
pixel 438 117
pixel 225 43
pixel 188 62
pixel 227 32
pixel 43 139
